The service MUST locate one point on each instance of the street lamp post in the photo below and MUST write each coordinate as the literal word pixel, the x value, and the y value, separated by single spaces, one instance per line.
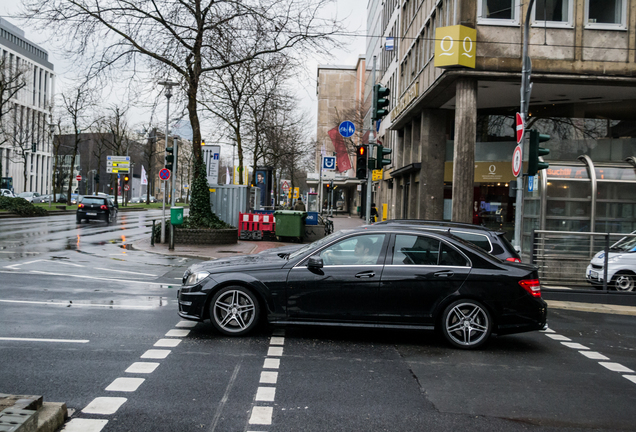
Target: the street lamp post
pixel 168 86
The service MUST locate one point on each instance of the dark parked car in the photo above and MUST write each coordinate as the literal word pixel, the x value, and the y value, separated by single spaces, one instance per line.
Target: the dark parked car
pixel 376 276
pixel 493 242
pixel 96 207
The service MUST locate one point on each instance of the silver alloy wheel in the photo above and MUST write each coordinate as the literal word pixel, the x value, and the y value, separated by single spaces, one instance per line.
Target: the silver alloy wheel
pixel 467 325
pixel 624 282
pixel 234 311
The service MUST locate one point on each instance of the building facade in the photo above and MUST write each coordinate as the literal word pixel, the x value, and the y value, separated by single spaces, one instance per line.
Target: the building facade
pixel 27 100
pixel 454 126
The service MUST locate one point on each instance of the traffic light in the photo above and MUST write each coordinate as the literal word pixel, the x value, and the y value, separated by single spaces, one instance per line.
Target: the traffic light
pixel 380 101
pixel 361 162
pixel 534 164
pixel 96 178
pixel 169 157
pixel 382 156
pixel 126 178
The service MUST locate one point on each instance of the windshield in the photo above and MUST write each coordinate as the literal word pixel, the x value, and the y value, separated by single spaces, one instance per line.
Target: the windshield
pixel 315 245
pixel 626 244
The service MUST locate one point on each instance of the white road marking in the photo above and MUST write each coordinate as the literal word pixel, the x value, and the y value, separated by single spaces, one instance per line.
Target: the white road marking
pixel 187 324
pixel 104 405
pixel 84 425
pixel 632 378
pixel 142 367
pixel 225 397
pixel 275 351
pixel 155 354
pixel 124 271
pixel 266 394
pixel 277 341
pixel 616 367
pixel 21 264
pixel 82 276
pixel 45 340
pixel 125 384
pixel 558 337
pixel 68 263
pixel 271 363
pixel 261 415
pixel 178 333
pixel 575 345
pixel 548 330
pixel 167 343
pixel 110 306
pixel 594 355
pixel 269 377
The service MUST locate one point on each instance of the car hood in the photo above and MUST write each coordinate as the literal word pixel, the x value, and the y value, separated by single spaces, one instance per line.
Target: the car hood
pixel 282 249
pixel 240 263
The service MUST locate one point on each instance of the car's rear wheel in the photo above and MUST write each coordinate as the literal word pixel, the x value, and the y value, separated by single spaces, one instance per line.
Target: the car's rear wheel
pixel 624 281
pixel 79 220
pixel 466 324
pixel 234 311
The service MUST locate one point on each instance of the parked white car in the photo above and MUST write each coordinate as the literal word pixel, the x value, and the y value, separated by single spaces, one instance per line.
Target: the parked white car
pixel 621 266
pixel 28 195
pixel 7 193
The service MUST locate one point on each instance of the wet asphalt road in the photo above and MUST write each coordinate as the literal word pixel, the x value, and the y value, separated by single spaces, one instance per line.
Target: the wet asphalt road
pixel 79 308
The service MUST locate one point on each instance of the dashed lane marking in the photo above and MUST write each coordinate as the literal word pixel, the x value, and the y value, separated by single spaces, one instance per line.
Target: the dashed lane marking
pixel 575 345
pixel 155 354
pixel 275 351
pixel 632 378
pixel 266 394
pixel 167 343
pixel 178 333
pixel 594 355
pixel 125 384
pixel 142 367
pixel 84 425
pixel 271 363
pixel 268 377
pixel 261 415
pixel 104 405
pixel 188 324
pixel 615 367
pixel 558 337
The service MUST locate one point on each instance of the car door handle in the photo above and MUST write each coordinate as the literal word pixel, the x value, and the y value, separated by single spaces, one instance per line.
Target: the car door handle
pixel 367 274
pixel 444 274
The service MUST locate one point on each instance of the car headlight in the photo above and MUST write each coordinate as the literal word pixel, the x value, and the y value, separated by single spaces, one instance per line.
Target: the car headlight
pixel 196 277
pixel 614 258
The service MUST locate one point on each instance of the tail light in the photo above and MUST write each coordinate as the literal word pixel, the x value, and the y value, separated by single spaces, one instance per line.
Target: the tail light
pixel 533 286
pixel 103 207
pixel 512 259
pixel 80 206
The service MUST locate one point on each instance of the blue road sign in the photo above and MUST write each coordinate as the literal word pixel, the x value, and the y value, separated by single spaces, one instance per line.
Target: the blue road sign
pixel 346 129
pixel 164 174
pixel 329 162
pixel 530 183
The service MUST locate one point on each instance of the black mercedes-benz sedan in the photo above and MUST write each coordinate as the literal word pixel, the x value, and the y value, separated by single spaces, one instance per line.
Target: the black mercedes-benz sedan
pixel 376 276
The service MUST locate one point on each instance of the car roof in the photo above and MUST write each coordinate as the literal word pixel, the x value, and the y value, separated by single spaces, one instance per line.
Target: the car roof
pixel 422 223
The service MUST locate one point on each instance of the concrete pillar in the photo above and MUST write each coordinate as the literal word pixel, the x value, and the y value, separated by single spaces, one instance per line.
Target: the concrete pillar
pixel 433 151
pixel 464 158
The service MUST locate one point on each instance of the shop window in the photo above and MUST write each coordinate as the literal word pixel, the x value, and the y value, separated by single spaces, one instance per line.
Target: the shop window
pixel 498 12
pixel 606 14
pixel 553 13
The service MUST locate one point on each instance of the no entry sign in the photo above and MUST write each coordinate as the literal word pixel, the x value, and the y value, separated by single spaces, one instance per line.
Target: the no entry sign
pixel 164 174
pixel 520 128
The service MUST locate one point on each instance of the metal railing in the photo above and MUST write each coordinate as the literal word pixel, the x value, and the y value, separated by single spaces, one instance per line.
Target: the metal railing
pixel 563 257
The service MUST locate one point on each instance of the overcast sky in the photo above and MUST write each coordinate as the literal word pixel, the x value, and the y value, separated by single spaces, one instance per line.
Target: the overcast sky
pixel 352 11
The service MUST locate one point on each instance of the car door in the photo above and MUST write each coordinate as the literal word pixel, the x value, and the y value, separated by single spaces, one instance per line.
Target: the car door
pixel 346 287
pixel 420 271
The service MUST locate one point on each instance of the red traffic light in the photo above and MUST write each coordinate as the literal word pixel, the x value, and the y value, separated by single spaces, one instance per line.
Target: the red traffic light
pixel 361 151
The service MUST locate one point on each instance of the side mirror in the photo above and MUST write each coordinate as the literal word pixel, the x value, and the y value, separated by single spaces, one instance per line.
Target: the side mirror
pixel 315 262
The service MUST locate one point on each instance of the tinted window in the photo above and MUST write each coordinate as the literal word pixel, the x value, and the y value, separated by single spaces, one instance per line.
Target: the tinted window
pixel 477 239
pixel 451 257
pixel 99 201
pixel 359 250
pixel 415 250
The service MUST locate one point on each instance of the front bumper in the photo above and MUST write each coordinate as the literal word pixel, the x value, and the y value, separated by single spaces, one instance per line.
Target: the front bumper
pixel 191 304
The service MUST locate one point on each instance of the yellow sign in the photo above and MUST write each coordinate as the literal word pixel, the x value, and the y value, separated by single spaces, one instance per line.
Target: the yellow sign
pixel 486 172
pixel 455 46
pixel 296 193
pixel 237 174
pixel 376 175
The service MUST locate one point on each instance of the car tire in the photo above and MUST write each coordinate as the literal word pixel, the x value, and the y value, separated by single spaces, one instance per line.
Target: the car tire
pixel 234 311
pixel 624 281
pixel 79 220
pixel 466 324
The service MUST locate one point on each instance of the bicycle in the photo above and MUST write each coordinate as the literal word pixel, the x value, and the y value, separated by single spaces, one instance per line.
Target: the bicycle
pixel 328 224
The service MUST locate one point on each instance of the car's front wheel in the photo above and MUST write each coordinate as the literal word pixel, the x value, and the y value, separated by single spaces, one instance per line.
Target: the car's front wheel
pixel 466 324
pixel 624 281
pixel 234 311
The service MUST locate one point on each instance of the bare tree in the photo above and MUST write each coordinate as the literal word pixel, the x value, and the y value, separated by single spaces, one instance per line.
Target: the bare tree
pixel 12 80
pixel 187 38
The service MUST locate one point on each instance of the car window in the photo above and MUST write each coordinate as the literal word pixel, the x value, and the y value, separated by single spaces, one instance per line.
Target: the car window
pixel 477 239
pixel 450 256
pixel 88 200
pixel 358 250
pixel 415 250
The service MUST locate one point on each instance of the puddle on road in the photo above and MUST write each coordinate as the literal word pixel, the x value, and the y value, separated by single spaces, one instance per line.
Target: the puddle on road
pixel 134 303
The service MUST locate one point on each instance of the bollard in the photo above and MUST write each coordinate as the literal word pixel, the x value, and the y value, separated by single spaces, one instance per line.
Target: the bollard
pixel 152 236
pixel 171 242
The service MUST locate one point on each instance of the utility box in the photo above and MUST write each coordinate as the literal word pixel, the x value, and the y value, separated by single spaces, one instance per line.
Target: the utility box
pixel 290 223
pixel 176 215
pixel 228 201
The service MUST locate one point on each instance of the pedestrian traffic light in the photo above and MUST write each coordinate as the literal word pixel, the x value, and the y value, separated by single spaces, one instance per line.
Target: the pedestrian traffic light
pixel 169 157
pixel 361 162
pixel 383 156
pixel 380 101
pixel 96 178
pixel 534 164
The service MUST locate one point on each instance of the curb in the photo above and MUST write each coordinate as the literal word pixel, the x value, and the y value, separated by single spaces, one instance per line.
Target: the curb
pixel 30 413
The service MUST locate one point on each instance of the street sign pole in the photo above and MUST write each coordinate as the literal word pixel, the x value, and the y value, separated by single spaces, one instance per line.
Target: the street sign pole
pixel 370 150
pixel 526 88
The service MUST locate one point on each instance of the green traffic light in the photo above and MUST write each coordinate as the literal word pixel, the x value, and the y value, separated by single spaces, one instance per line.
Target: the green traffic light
pixel 534 164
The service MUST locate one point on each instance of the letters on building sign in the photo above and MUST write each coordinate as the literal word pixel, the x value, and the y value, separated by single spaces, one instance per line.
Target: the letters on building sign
pixel 409 96
pixel 455 46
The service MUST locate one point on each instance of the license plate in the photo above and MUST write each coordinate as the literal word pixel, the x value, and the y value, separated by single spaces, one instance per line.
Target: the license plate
pixel 594 275
pixel 91 214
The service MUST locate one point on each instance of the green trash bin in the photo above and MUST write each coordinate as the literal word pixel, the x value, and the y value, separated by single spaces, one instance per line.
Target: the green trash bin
pixel 176 215
pixel 290 223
